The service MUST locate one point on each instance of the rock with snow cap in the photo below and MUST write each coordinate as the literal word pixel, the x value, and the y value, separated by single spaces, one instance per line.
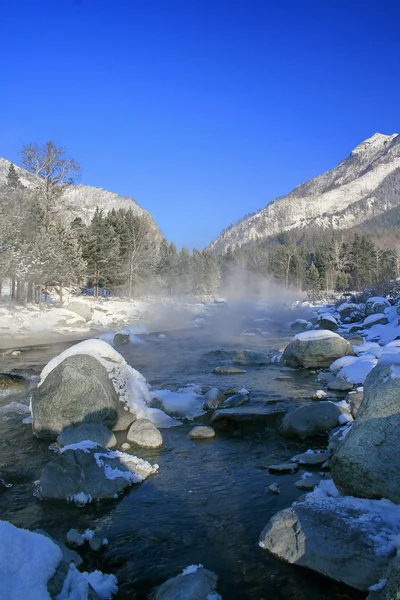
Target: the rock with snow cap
pixel 80 308
pixel 315 349
pixel 312 419
pixel 327 321
pixel 375 305
pixel 194 583
pixel 365 463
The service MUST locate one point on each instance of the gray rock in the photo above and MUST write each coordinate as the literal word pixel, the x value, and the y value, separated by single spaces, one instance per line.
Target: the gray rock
pixel 312 419
pixel 201 432
pixel 145 434
pixel 87 431
pixel 193 586
pixel 308 350
pixel 391 590
pixel 80 308
pixel 308 483
pixel 124 419
pixel 377 319
pixel 125 446
pixel 299 325
pixel 248 357
pixel 311 459
pixel 354 400
pixel 274 489
pixel 96 542
pixel 74 538
pixel 76 471
pixel 339 384
pixel 77 391
pixel 14 384
pixel 228 371
pixel 250 415
pixel 366 462
pixel 214 398
pixel 290 467
pixel 235 400
pixel 121 339
pixel 329 323
pixel 332 541
pixel 376 305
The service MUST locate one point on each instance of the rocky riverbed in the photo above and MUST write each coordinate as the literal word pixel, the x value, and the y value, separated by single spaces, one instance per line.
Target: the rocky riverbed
pixel 229 434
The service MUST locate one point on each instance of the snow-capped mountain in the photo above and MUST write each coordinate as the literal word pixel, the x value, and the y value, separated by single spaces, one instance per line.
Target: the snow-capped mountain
pixel 80 200
pixel 361 187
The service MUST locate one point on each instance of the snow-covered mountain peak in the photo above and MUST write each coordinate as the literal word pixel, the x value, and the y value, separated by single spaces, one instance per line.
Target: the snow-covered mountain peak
pixel 361 187
pixel 375 143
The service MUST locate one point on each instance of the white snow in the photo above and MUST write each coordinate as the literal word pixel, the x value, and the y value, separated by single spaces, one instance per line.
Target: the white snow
pixel 80 498
pixel 377 587
pixel 366 347
pixel 84 445
pixel 76 585
pixel 357 370
pixel 316 334
pixel 384 512
pixel 373 318
pixel 191 569
pixel 27 561
pixel 139 469
pixel 185 402
pixel 343 361
pixel 161 419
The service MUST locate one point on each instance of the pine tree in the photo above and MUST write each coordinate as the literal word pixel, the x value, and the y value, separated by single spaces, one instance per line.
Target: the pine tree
pixel 313 282
pixel 12 181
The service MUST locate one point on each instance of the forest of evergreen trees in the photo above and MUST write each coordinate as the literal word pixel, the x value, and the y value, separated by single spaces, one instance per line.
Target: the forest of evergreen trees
pixel 121 251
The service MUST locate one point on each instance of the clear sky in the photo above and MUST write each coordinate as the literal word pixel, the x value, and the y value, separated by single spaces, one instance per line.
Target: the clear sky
pixel 202 110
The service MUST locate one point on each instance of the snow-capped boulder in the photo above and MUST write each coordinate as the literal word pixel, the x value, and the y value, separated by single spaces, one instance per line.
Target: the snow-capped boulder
pixel 375 319
pixel 376 304
pixel 312 419
pixel 347 539
pixel 315 349
pixel 366 463
pixel 86 472
pixel 145 434
pixel 87 431
pixel 194 583
pixel 300 325
pixel 88 383
pixel 350 310
pixel 80 308
pixel 327 321
pixel 77 391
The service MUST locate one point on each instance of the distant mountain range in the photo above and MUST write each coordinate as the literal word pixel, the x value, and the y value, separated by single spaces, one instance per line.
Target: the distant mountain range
pixel 80 200
pixel 360 190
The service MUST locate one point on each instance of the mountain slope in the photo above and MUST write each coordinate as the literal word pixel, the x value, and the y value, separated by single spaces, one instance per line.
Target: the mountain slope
pixel 81 200
pixel 361 187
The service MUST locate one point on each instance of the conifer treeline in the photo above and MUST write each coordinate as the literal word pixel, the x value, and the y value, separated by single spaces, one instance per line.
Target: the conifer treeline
pixel 123 252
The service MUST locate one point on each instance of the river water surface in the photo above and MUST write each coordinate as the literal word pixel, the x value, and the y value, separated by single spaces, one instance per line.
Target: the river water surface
pixel 208 503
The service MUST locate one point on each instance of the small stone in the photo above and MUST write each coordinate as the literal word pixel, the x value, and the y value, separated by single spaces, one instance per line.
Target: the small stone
pixel 126 446
pixel 273 489
pixel 74 538
pixel 214 398
pixel 96 542
pixel 228 371
pixel 145 434
pixel 202 432
pixel 284 468
pixel 311 459
pixel 120 339
pixel 15 352
pixel 308 483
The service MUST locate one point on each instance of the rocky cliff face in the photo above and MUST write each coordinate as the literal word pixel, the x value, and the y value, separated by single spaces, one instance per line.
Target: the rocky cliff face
pixel 80 200
pixel 361 187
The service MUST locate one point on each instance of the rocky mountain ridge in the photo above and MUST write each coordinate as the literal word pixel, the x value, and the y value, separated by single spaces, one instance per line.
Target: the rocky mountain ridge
pixel 360 188
pixel 80 200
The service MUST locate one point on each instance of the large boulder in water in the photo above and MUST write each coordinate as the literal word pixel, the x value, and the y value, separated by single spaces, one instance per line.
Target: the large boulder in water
pixel 344 538
pixel 315 349
pixel 366 463
pixel 78 390
pixel 90 473
pixel 313 419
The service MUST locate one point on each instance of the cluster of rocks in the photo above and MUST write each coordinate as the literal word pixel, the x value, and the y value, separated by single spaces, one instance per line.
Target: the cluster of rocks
pixel 347 528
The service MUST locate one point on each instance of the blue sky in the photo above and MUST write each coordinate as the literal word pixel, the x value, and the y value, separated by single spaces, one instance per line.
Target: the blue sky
pixel 202 110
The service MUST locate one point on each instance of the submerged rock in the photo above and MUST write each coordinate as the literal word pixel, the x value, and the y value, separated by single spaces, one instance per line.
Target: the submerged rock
pixel 214 398
pixel 308 481
pixel 121 339
pixel 235 400
pixel 14 384
pixel 250 415
pixel 248 357
pixel 311 459
pixel 145 434
pixel 289 467
pixel 194 583
pixel 315 349
pixel 228 371
pixel 201 432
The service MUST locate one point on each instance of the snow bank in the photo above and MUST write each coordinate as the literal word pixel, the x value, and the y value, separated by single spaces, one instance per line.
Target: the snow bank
pixel 76 585
pixel 357 370
pixel 341 362
pixel 27 561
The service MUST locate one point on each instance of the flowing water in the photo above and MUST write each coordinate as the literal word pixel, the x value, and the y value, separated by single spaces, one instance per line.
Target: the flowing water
pixel 207 504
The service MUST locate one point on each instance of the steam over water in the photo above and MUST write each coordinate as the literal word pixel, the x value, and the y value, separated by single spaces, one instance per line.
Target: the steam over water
pixel 208 503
